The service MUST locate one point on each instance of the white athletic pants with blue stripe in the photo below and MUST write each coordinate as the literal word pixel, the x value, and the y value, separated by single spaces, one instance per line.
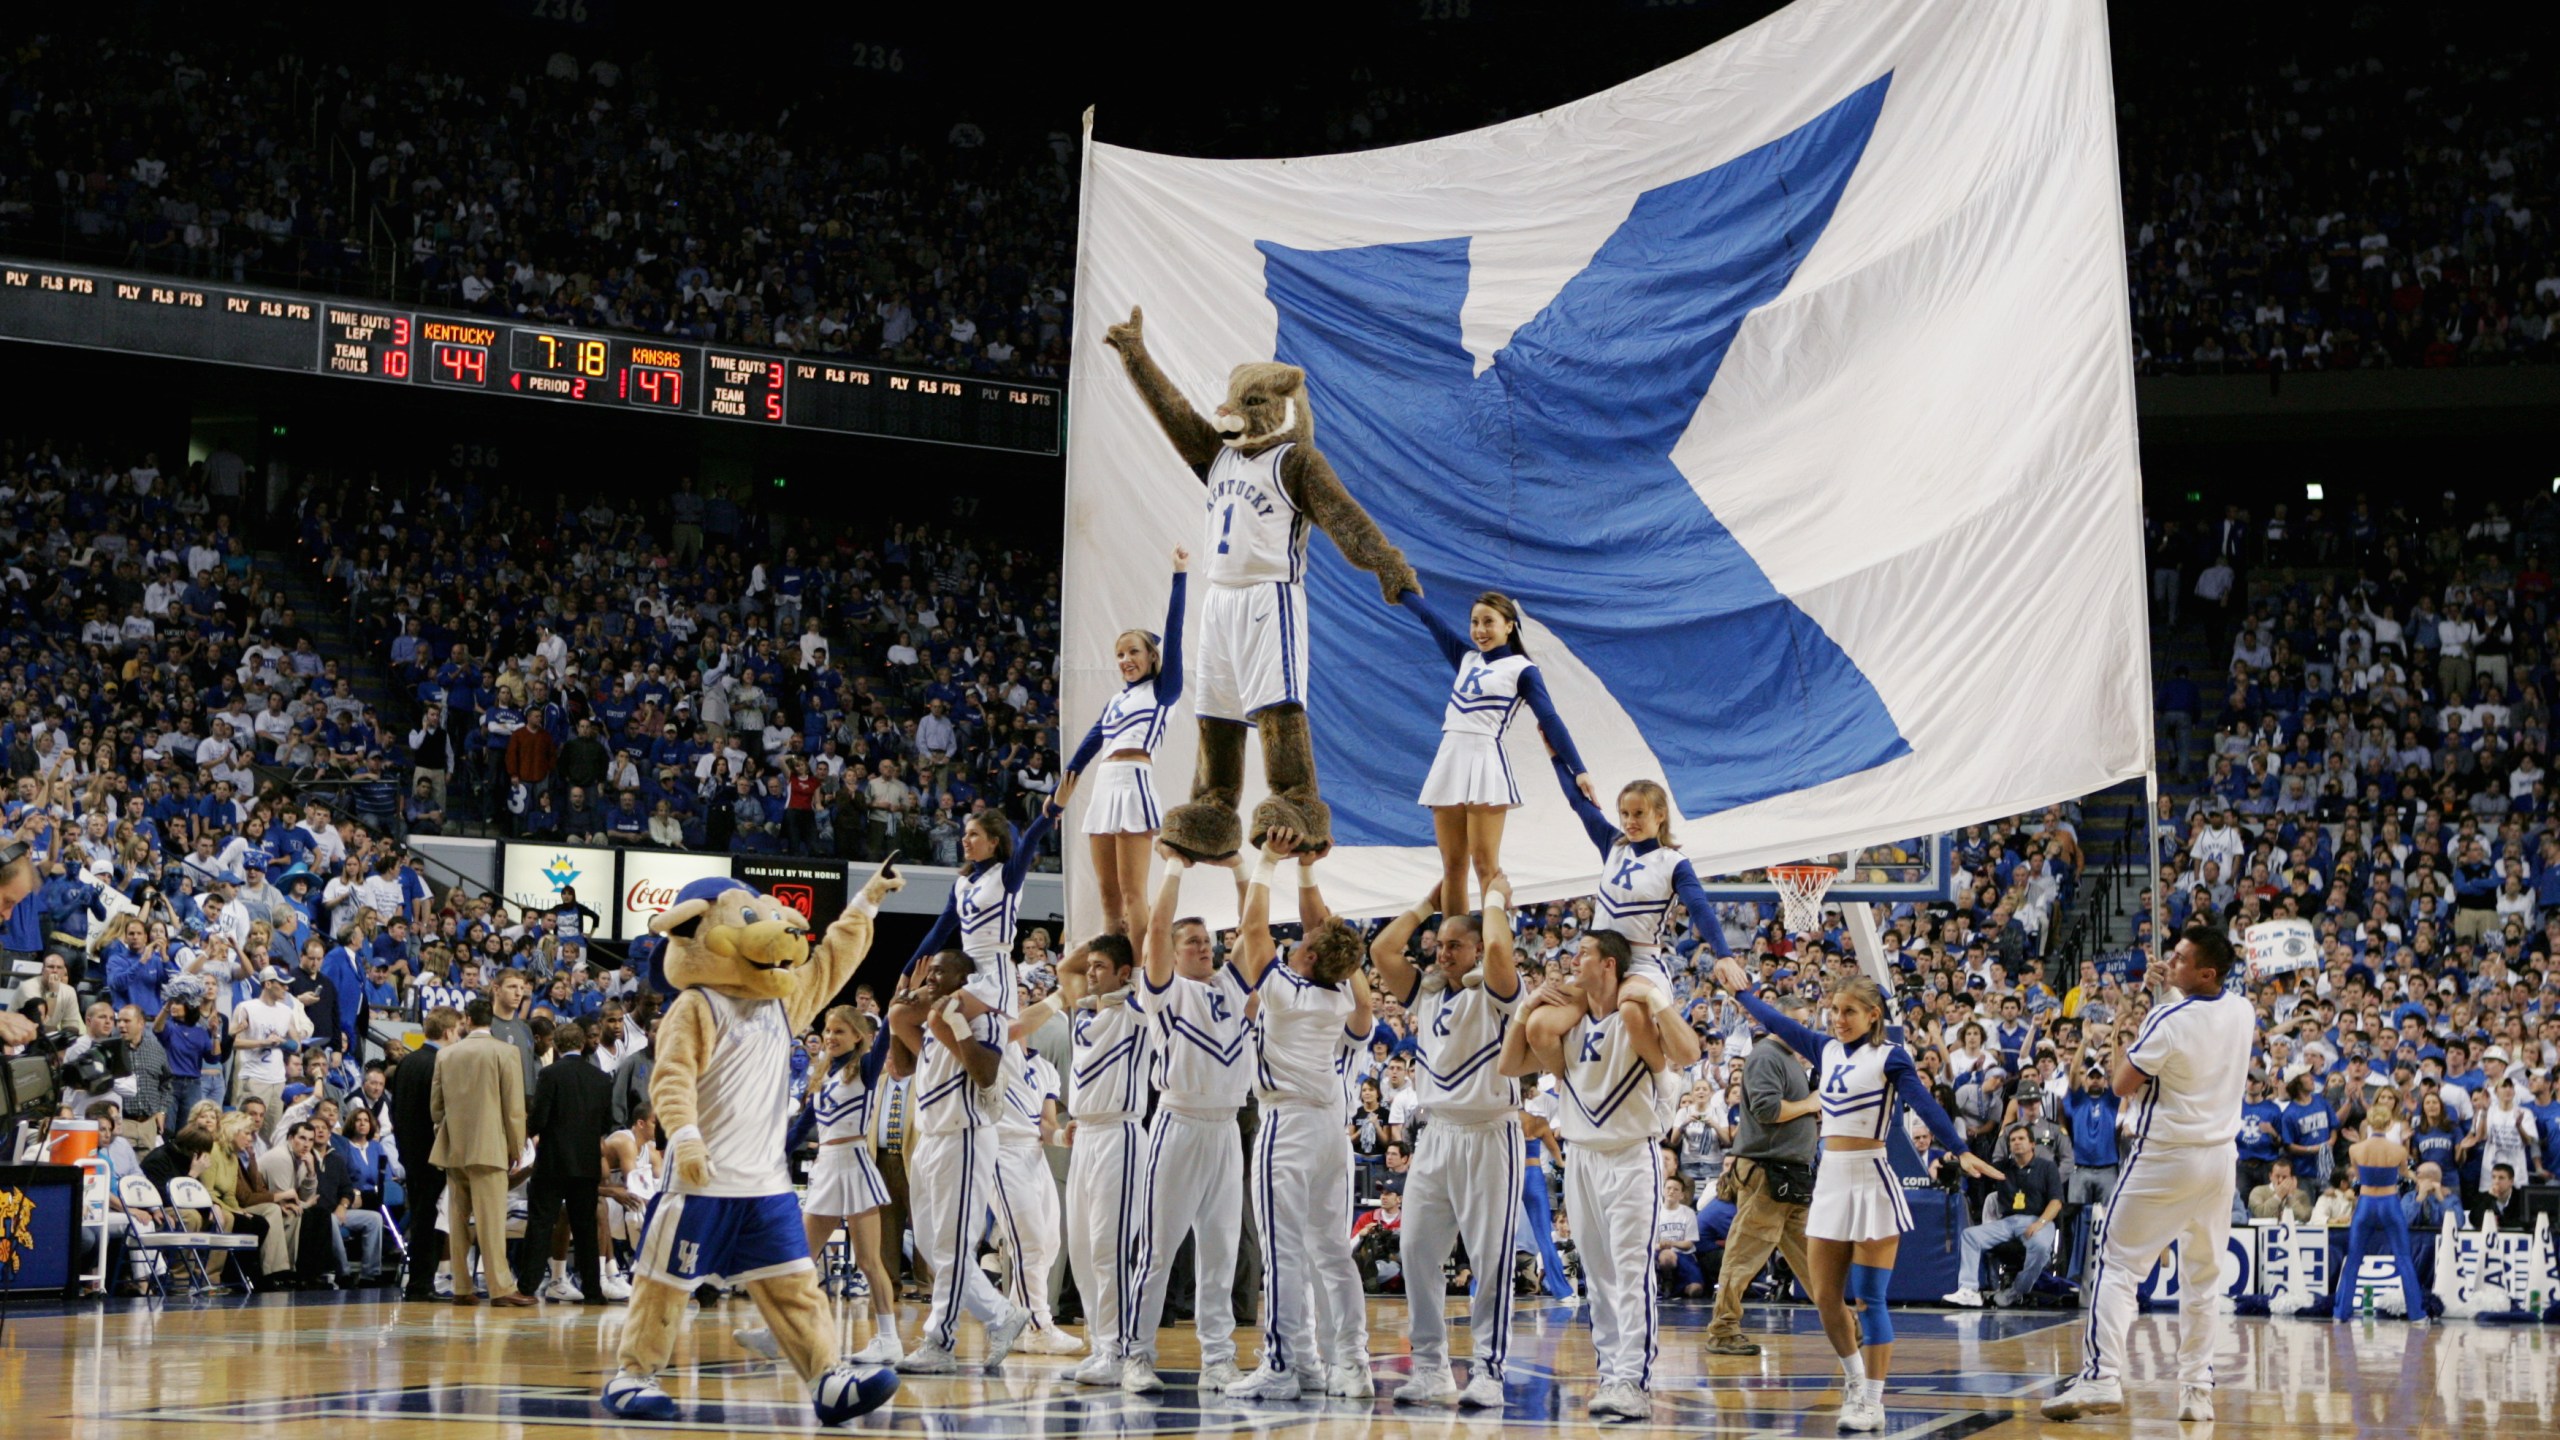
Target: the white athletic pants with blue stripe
pixel 1301 1191
pixel 1105 1183
pixel 1613 1195
pixel 2167 1192
pixel 1195 1187
pixel 1026 1221
pixel 1464 1185
pixel 951 1184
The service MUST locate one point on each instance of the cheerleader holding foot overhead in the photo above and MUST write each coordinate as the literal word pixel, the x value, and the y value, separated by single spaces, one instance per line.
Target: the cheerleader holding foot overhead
pixel 1854 1230
pixel 845 1189
pixel 1470 789
pixel 1121 819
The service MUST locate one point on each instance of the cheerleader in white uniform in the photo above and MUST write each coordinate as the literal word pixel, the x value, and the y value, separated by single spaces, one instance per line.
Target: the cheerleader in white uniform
pixel 978 919
pixel 1470 789
pixel 1121 817
pixel 1641 869
pixel 1854 1229
pixel 845 1189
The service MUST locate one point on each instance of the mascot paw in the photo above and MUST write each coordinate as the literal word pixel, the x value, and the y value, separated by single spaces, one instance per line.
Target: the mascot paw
pixel 693 1162
pixel 1396 580
pixel 1311 819
pixel 880 886
pixel 1128 337
pixel 1202 831
pixel 850 1390
pixel 637 1397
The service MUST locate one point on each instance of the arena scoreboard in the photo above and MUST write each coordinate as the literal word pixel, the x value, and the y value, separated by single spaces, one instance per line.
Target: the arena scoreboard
pixel 361 340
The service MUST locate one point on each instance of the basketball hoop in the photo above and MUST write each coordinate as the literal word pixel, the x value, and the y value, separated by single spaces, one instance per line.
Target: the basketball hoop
pixel 1800 892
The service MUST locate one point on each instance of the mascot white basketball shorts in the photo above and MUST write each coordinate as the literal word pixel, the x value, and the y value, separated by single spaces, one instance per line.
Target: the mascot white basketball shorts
pixel 1251 650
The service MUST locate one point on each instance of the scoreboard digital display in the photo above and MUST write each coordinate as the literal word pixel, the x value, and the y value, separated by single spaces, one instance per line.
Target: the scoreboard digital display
pixel 362 340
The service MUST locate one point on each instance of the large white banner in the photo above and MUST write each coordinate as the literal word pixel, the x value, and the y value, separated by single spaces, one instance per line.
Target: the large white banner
pixel 1786 388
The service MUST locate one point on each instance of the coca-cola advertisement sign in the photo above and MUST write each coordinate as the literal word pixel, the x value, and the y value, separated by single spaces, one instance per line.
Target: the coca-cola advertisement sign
pixel 651 880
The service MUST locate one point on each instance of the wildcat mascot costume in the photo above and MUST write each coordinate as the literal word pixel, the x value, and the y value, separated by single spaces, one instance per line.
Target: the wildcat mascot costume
pixel 1267 483
pixel 747 982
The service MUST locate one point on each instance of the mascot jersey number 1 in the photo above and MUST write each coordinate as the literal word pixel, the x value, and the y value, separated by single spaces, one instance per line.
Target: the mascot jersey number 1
pixel 1267 483
pixel 747 981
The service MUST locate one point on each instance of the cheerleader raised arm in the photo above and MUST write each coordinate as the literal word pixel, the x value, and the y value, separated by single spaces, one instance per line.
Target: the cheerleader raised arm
pixel 1471 789
pixel 1121 819
pixel 1641 869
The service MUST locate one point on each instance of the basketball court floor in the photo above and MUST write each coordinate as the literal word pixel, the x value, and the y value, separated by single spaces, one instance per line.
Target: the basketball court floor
pixel 305 1368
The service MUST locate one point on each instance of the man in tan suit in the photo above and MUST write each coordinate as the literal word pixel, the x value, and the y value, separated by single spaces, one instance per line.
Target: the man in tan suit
pixel 477 1101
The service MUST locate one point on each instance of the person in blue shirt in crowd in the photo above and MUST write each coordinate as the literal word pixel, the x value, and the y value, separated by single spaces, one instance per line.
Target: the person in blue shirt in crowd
pixel 2309 1126
pixel 2092 1112
pixel 2261 1142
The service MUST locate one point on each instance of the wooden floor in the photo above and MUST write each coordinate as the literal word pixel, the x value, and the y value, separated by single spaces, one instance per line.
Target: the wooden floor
pixel 322 1368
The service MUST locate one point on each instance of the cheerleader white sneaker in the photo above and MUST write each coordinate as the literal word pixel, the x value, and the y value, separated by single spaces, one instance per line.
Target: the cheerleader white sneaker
pixel 2195 1402
pixel 560 1289
pixel 1968 1298
pixel 1483 1392
pixel 1050 1340
pixel 1428 1387
pixel 928 1360
pixel 1619 1400
pixel 884 1349
pixel 1217 1375
pixel 1351 1379
pixel 1097 1370
pixel 1138 1376
pixel 1265 1384
pixel 2085 1397
pixel 1005 1334
pixel 757 1342
pixel 615 1287
pixel 1860 1416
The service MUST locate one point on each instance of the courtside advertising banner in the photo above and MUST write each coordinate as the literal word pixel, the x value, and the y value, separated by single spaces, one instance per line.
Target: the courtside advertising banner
pixel 535 874
pixel 1786 388
pixel 815 888
pixel 650 881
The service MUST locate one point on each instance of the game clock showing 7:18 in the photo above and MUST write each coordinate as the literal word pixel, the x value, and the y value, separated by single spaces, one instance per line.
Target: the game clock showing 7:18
pixel 353 339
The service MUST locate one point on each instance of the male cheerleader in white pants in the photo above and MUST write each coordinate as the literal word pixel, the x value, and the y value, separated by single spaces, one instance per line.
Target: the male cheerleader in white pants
pixel 1313 1015
pixel 1115 1049
pixel 1465 1182
pixel 1607 1049
pixel 1195 1157
pixel 949 1048
pixel 2189 1065
pixel 1026 1209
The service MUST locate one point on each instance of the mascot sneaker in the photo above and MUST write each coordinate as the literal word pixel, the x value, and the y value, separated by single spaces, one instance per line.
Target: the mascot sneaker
pixel 637 1397
pixel 849 1390
pixel 1264 1383
pixel 2085 1397
pixel 1483 1392
pixel 1351 1379
pixel 884 1349
pixel 757 1342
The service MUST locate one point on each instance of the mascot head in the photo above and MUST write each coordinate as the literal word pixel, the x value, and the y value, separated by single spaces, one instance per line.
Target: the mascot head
pixel 724 935
pixel 1266 403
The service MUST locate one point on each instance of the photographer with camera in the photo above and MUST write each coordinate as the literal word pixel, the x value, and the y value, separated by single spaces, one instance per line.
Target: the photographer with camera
pixel 1769 1181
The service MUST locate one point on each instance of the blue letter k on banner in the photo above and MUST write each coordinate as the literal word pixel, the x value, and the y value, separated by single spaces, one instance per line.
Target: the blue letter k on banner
pixel 1549 476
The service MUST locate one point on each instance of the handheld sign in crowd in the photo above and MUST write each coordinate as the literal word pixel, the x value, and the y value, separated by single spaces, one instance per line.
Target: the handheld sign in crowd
pixel 2279 947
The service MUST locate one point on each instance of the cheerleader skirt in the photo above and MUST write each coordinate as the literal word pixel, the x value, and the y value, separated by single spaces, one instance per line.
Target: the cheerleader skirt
pixel 1856 1196
pixel 844 1180
pixel 1120 799
pixel 1470 770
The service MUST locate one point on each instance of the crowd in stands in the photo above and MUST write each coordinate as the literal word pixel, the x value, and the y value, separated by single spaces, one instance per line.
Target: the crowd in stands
pixel 2376 199
pixel 575 194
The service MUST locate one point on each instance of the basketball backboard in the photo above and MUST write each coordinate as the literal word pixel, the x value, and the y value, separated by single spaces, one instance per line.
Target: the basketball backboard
pixel 1894 870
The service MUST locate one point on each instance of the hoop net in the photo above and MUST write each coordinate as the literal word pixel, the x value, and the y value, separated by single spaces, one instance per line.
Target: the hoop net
pixel 1800 892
